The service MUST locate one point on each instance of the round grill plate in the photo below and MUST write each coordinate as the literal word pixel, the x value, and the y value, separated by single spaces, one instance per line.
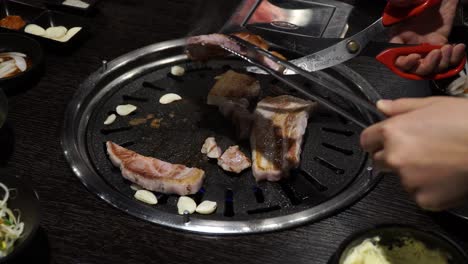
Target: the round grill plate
pixel 334 170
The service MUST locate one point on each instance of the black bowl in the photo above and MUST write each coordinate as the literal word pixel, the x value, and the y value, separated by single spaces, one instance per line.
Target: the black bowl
pixel 26 200
pixel 12 42
pixel 391 234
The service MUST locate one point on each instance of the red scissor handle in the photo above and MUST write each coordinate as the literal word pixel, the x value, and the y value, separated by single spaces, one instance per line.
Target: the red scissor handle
pixel 389 56
pixel 394 14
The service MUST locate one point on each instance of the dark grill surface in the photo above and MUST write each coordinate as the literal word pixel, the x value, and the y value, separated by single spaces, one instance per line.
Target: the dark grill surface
pixel 331 158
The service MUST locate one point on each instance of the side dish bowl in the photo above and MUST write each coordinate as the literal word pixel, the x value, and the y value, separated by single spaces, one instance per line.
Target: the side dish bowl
pixel 10 42
pixel 23 199
pixel 392 238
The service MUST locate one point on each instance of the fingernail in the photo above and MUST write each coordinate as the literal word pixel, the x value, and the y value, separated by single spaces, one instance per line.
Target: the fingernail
pixel 384 105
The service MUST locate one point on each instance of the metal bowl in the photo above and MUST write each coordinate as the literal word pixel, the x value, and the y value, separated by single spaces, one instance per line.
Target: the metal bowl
pixel 26 200
pixel 392 235
pixel 3 108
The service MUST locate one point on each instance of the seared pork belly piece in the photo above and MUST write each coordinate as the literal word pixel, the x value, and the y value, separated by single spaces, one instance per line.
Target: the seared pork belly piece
pixel 234 160
pixel 153 174
pixel 207 47
pixel 253 39
pixel 277 134
pixel 240 116
pixel 232 94
pixel 211 149
pixel 233 86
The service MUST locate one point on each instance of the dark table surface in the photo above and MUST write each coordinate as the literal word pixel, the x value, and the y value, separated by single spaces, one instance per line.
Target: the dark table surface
pixel 78 227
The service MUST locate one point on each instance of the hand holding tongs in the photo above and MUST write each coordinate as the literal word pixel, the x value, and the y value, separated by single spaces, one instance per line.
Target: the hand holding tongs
pixel 354 45
pixel 256 56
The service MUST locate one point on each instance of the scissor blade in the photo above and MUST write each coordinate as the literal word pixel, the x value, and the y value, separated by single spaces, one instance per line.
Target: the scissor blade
pixel 340 52
pixel 335 54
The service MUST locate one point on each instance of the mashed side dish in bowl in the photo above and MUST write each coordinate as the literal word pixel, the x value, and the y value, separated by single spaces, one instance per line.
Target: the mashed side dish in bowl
pixel 399 244
pixel 409 250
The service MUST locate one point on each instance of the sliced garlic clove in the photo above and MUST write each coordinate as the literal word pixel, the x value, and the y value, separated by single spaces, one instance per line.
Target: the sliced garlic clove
pixel 177 70
pixel 125 110
pixel 110 119
pixel 186 203
pixel 35 30
pixel 169 98
pixel 56 32
pixel 70 33
pixel 136 187
pixel 207 207
pixel 146 197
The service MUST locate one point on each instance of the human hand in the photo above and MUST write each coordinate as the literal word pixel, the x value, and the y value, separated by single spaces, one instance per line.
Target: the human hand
pixel 432 27
pixel 424 141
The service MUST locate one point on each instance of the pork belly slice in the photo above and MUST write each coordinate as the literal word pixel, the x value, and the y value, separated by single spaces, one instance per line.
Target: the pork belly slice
pixel 153 174
pixel 234 160
pixel 211 149
pixel 233 86
pixel 205 47
pixel 232 94
pixel 277 134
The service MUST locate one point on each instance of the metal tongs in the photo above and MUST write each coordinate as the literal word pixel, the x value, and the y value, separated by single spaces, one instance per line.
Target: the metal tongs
pixel 254 55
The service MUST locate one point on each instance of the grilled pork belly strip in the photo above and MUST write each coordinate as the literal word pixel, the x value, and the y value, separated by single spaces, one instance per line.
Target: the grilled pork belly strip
pixel 234 160
pixel 277 135
pixel 207 47
pixel 153 174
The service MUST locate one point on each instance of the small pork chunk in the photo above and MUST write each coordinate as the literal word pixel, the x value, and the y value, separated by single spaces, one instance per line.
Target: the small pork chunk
pixel 154 174
pixel 233 160
pixel 277 135
pixel 211 148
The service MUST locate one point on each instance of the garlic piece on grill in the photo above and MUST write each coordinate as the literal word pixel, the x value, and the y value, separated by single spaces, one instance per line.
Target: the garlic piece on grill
pixel 177 70
pixel 186 203
pixel 136 187
pixel 206 207
pixel 110 119
pixel 125 110
pixel 169 98
pixel 146 197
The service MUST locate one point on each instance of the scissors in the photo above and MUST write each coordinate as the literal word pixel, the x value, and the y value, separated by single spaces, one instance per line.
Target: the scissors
pixel 354 46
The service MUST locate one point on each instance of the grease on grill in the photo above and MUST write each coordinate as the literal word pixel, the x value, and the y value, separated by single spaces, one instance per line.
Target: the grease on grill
pixel 229 203
pixel 140 120
pixel 152 86
pixel 347 152
pixel 328 165
pixel 156 123
pixel 317 184
pixel 290 193
pixel 343 132
pixel 264 210
pixel 175 78
pixel 133 98
pixel 108 131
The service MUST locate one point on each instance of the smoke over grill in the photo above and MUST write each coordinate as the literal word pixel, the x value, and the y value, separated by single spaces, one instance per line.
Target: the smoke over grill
pixel 210 16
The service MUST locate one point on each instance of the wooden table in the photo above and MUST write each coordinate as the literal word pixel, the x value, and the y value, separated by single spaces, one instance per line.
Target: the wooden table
pixel 78 227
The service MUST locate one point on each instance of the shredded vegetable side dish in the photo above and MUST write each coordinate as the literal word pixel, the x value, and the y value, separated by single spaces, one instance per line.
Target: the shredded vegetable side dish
pixel 11 226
